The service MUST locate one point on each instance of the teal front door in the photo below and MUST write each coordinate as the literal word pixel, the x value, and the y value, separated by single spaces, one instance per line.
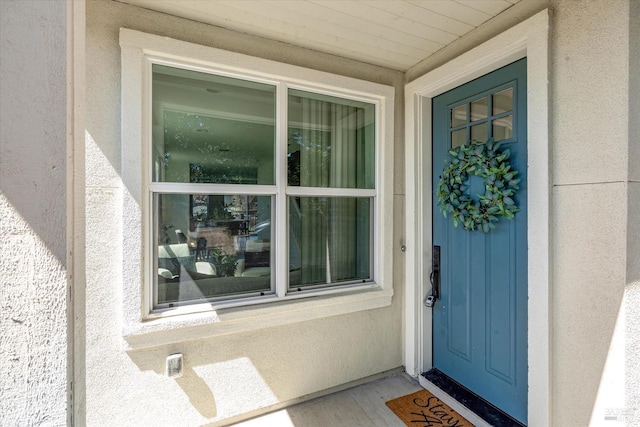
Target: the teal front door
pixel 480 318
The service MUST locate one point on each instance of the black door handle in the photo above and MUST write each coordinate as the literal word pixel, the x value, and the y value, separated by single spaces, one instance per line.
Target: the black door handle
pixel 434 277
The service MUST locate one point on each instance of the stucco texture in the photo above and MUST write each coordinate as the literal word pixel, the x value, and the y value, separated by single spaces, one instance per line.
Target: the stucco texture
pixel 632 326
pixel 227 375
pixel 594 238
pixel 33 285
pixel 591 222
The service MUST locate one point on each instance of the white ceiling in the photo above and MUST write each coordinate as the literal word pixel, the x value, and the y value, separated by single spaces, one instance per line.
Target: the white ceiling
pixel 396 34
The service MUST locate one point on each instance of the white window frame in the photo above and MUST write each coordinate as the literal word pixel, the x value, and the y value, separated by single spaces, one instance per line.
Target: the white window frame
pixel 138 51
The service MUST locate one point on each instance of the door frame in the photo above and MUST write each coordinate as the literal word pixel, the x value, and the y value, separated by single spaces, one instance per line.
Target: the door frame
pixel 530 39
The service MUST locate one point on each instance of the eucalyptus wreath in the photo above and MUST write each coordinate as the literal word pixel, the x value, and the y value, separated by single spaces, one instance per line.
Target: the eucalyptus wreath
pixel 491 164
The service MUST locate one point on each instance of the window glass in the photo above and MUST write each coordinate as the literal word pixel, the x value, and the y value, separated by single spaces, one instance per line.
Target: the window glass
pixel 503 128
pixel 458 137
pixel 212 129
pixel 481 125
pixel 331 142
pixel 459 115
pixel 212 246
pixel 329 241
pixel 479 109
pixel 479 133
pixel 213 237
pixel 503 101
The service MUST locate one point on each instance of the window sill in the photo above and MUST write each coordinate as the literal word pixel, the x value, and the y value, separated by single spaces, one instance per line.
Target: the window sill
pixel 200 321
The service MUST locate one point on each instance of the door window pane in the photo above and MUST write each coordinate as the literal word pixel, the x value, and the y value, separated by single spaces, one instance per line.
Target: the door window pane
pixel 479 133
pixel 503 101
pixel 211 246
pixel 458 137
pixel 329 241
pixel 459 115
pixel 479 109
pixel 331 142
pixel 212 129
pixel 503 128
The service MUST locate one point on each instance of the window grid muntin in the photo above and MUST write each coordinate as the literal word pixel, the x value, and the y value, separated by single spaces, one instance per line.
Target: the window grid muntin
pixel 490 116
pixel 282 190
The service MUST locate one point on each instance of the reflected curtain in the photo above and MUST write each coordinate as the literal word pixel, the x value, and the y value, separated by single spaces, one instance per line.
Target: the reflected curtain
pixel 329 225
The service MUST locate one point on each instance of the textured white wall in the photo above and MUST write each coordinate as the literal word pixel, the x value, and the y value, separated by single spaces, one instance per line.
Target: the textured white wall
pixel 632 302
pixel 595 246
pixel 33 318
pixel 226 375
pixel 590 124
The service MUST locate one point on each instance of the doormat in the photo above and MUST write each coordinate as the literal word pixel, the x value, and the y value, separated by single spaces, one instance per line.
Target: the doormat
pixel 423 409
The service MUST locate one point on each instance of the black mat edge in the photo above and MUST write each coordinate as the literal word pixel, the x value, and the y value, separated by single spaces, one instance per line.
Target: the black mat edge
pixel 472 401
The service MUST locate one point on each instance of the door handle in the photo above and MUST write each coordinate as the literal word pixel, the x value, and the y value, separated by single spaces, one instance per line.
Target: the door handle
pixel 434 278
pixel 435 271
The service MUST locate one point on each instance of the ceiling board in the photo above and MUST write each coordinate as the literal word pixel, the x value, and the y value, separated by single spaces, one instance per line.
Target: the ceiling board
pixel 491 7
pixel 342 22
pixel 456 11
pixel 440 27
pixel 395 34
pixel 317 32
pixel 382 23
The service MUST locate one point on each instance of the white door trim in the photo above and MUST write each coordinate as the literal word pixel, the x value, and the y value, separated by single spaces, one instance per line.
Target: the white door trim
pixel 530 39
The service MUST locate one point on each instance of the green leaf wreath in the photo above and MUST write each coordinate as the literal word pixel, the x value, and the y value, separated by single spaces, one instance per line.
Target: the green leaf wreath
pixel 491 164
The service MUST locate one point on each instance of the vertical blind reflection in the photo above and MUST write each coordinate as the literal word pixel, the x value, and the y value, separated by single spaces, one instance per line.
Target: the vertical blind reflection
pixel 331 142
pixel 330 240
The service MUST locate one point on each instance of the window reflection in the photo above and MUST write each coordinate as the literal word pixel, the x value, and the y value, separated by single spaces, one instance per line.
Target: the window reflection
pixel 331 142
pixel 217 129
pixel 458 138
pixel 503 128
pixel 479 109
pixel 329 240
pixel 212 245
pixel 503 101
pixel 479 133
pixel 490 116
pixel 459 115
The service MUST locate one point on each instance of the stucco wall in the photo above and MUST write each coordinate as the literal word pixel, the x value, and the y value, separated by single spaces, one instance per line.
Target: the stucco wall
pixel 595 194
pixel 33 319
pixel 226 375
pixel 589 151
pixel 632 302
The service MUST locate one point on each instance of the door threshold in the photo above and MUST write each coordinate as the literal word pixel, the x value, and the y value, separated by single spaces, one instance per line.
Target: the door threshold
pixel 476 410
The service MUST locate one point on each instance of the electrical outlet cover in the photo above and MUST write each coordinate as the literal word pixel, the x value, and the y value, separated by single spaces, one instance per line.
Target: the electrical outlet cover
pixel 174 365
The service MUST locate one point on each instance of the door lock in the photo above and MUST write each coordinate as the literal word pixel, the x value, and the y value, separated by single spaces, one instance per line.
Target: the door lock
pixel 429 300
pixel 434 278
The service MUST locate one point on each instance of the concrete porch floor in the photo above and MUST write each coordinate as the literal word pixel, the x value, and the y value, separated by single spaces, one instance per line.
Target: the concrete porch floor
pixel 363 405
